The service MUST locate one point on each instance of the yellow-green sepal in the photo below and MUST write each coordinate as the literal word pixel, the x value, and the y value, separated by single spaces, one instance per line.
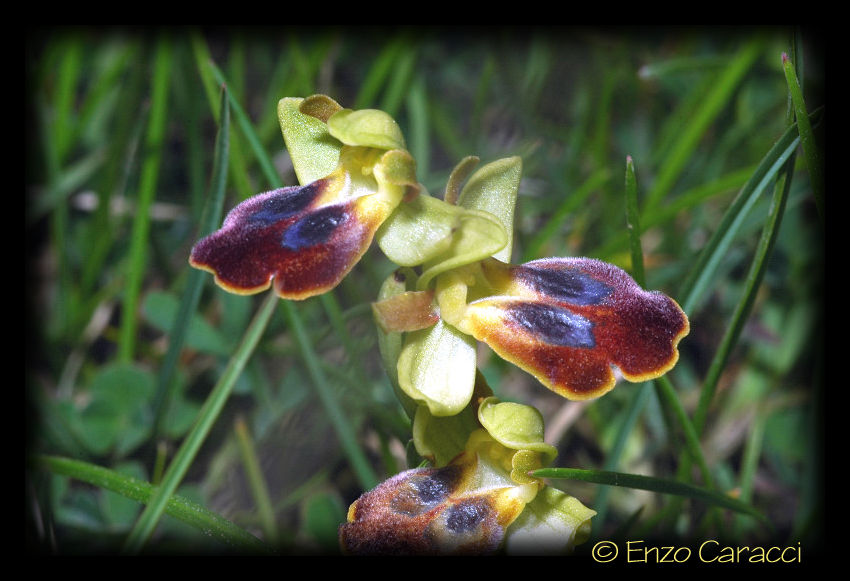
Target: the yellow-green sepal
pixel 551 524
pixel 516 426
pixel 366 128
pixel 436 368
pixel 493 189
pixel 314 151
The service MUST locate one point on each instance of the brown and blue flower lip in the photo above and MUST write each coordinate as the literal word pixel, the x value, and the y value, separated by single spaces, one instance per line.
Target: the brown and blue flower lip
pixel 567 321
pixel 302 239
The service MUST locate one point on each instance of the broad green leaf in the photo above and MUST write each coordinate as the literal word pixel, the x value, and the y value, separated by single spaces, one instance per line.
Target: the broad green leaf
pixel 117 415
pixel 160 309
pixel 314 152
pixel 366 128
pixel 493 189
pixel 437 368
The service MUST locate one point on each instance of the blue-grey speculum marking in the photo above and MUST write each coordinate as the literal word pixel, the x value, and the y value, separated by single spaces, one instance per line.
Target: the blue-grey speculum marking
pixel 554 325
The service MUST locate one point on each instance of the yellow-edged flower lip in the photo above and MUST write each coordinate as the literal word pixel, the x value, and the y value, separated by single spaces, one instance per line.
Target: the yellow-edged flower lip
pixel 304 238
pixel 567 321
pixel 432 511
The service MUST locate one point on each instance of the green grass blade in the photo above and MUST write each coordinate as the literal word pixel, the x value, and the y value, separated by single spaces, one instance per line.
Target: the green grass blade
pixel 147 189
pixel 180 508
pixel 69 76
pixel 720 95
pixel 344 430
pixel 195 280
pixel 751 286
pixel 733 181
pixel 612 458
pixel 807 139
pixel 633 223
pixel 659 485
pixel 210 411
pixel 702 274
pixel 572 201
pixel 256 481
pixel 342 425
pixel 248 132
pixel 377 74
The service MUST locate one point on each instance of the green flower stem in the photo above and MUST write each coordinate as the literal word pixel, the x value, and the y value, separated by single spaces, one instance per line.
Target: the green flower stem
pixel 147 190
pixel 256 481
pixel 807 139
pixel 144 527
pixel 185 510
pixel 652 484
pixel 196 278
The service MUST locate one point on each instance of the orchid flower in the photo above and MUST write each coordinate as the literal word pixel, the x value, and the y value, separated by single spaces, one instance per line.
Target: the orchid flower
pixel 481 501
pixel 305 239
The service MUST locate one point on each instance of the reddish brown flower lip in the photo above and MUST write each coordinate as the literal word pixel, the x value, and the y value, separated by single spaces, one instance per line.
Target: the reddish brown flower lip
pixel 572 319
pixel 289 237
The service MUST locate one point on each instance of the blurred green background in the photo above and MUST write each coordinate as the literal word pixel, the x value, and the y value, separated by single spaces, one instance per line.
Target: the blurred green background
pixel 121 131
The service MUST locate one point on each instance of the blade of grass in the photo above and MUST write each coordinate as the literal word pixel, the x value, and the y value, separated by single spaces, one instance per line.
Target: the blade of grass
pixel 418 136
pixel 344 430
pixel 807 139
pixel 571 202
pixel 147 189
pixel 244 123
pixel 378 72
pixel 664 389
pixel 744 307
pixel 180 508
pixel 633 223
pixel 195 280
pixel 256 482
pixel 659 485
pixel 347 437
pixel 69 76
pixel 692 198
pixel 702 274
pixel 720 95
pixel 208 414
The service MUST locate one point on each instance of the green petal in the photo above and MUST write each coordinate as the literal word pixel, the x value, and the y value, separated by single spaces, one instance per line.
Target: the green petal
pixel 366 127
pixel 441 438
pixel 553 523
pixel 314 152
pixel 493 189
pixel 516 426
pixel 417 231
pixel 437 368
pixel 478 235
pixel 441 236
